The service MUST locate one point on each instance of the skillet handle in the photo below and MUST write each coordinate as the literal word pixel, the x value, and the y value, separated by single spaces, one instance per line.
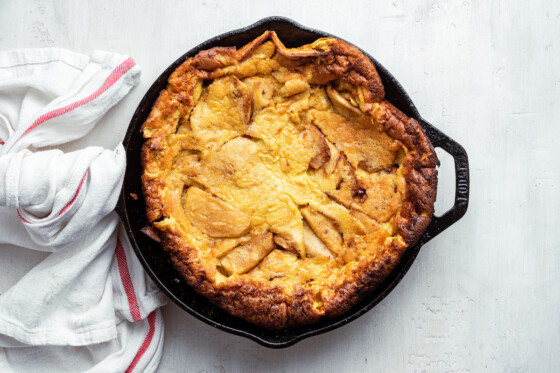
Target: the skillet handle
pixel 462 181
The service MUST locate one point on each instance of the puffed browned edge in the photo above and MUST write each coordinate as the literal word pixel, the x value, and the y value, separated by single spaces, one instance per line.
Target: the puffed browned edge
pixel 270 307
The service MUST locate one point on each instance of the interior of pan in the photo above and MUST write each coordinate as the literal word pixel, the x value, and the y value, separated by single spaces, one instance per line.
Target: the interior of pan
pixel 131 205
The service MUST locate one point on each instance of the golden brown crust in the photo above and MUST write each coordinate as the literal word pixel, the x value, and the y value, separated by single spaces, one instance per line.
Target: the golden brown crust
pixel 419 172
pixel 272 304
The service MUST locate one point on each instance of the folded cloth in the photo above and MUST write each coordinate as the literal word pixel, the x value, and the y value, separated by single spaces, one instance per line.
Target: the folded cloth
pixel 88 306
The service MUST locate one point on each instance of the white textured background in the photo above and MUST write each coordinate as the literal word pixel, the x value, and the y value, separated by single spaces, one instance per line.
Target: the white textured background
pixel 482 296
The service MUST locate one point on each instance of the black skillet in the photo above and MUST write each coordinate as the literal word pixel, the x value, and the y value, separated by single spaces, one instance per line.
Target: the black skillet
pixel 155 260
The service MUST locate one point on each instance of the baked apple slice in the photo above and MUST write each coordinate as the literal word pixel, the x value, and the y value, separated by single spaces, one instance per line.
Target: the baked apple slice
pixel 214 216
pixel 348 188
pixel 316 141
pixel 341 105
pixel 324 228
pixel 314 247
pixel 291 239
pixel 245 257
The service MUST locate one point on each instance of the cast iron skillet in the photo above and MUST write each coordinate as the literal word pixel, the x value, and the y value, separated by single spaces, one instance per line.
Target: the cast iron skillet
pixel 155 260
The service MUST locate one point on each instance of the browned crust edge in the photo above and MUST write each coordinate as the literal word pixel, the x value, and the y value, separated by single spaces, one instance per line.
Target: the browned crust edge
pixel 269 307
pixel 419 171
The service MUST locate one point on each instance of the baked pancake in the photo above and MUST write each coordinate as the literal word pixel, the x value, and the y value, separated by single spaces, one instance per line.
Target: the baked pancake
pixel 282 185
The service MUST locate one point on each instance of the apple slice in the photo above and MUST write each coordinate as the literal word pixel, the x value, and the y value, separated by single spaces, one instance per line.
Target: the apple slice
pixel 245 257
pixel 324 228
pixel 348 187
pixel 314 247
pixel 342 105
pixel 214 216
pixel 291 239
pixel 316 141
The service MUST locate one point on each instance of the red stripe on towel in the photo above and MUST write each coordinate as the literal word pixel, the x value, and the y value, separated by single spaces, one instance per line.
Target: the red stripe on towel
pixel 22 218
pixel 111 79
pixel 146 343
pixel 75 195
pixel 127 282
pixel 68 205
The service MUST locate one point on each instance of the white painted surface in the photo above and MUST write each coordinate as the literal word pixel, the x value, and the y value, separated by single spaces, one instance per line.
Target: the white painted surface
pixel 482 296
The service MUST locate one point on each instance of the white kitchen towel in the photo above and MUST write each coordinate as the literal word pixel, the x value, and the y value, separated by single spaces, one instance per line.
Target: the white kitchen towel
pixel 89 305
